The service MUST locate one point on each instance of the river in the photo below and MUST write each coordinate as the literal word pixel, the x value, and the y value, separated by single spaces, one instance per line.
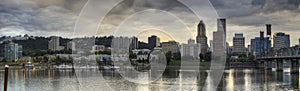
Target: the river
pixel 69 80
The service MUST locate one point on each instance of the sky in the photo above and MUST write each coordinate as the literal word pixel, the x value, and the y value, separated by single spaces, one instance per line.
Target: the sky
pixel 169 19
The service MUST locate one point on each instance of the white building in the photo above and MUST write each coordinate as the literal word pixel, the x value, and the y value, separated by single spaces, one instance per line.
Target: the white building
pixel 12 51
pixel 211 44
pixel 120 44
pixel 120 48
pixel 191 49
pixel 71 45
pixel 141 54
pixel 98 48
pixel 54 43
pixel 219 39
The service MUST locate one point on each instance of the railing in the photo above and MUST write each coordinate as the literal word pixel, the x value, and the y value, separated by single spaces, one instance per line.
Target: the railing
pixel 281 57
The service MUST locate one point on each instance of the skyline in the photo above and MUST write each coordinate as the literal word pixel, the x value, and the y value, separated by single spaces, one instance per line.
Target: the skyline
pixel 46 18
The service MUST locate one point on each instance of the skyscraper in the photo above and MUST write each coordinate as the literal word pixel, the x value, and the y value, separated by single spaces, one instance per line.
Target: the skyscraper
pixel 121 44
pixel 239 43
pixel 153 42
pixel 269 29
pixel 134 43
pixel 12 51
pixel 54 43
pixel 260 46
pixel 190 50
pixel 299 42
pixel 201 37
pixel 281 40
pixel 219 39
pixel 222 25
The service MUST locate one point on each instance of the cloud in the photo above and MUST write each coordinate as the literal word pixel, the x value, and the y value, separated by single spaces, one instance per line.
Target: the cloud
pixel 250 16
pixel 58 17
pixel 39 17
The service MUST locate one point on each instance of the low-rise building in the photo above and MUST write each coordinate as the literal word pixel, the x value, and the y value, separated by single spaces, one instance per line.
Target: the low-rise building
pixel 98 48
pixel 171 46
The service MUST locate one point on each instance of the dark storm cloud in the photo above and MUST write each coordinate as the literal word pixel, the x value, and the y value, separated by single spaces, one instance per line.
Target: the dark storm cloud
pixel 127 8
pixel 240 8
pixel 57 17
pixel 38 17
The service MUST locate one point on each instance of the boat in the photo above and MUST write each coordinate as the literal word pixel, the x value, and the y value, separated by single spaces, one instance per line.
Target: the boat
pixel 28 65
pixel 111 67
pixel 63 67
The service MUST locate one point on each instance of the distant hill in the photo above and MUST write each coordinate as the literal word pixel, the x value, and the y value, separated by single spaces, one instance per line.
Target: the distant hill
pixel 35 44
pixel 106 41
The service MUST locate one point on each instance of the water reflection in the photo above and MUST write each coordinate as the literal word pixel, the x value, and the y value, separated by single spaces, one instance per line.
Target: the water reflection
pixel 39 80
pixel 232 80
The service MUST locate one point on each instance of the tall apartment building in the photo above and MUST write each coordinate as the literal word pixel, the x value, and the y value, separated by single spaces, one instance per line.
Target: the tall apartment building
pixel 12 51
pixel 54 44
pixel 219 39
pixel 153 42
pixel 281 40
pixel 239 43
pixel 201 37
pixel 260 46
pixel 191 49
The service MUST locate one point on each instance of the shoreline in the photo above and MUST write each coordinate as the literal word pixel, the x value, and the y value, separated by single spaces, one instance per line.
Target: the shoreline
pixel 167 67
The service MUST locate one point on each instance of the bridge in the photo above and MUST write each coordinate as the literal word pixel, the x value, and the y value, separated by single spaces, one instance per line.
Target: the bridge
pixel 266 62
pixel 279 57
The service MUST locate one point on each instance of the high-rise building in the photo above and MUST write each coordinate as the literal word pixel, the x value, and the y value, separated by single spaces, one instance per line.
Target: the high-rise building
pixel 239 43
pixel 201 37
pixel 219 39
pixel 153 42
pixel 124 43
pixel 218 44
pixel 260 46
pixel 299 43
pixel 222 26
pixel 191 49
pixel 54 43
pixel 71 45
pixel 12 51
pixel 269 29
pixel 171 46
pixel 281 40
pixel 134 44
pixel 120 44
pixel 249 49
pixel 211 45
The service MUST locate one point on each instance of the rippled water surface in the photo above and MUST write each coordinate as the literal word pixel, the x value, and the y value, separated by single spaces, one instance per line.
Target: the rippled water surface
pixel 68 80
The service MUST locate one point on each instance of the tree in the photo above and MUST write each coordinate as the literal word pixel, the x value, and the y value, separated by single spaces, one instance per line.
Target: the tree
pixel 207 56
pixel 201 56
pixel 132 55
pixel 177 56
pixel 168 57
